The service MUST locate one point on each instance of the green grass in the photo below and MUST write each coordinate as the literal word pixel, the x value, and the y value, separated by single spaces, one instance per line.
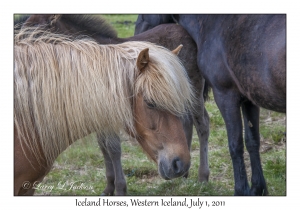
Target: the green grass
pixel 83 164
pixel 124 24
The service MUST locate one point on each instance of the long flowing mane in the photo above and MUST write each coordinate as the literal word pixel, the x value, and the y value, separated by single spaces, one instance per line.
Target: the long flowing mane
pixel 66 88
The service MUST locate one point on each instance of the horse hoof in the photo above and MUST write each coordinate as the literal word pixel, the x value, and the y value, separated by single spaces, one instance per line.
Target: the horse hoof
pixel 258 192
pixel 203 177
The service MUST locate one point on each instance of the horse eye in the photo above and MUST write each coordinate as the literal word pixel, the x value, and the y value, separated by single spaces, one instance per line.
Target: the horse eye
pixel 150 105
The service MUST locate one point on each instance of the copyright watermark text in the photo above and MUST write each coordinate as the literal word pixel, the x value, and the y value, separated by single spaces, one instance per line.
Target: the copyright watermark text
pixel 65 186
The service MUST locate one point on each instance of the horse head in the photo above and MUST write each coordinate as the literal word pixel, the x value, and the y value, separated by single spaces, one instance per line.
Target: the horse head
pixel 160 132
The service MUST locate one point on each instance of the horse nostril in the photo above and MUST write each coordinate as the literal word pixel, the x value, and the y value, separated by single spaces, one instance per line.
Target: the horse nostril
pixel 173 169
pixel 177 166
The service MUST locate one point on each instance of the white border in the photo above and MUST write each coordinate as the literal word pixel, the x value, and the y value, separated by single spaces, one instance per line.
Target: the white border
pixel 135 7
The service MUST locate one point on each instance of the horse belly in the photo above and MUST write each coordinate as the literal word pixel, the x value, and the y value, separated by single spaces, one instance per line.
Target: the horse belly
pixel 264 87
pixel 269 98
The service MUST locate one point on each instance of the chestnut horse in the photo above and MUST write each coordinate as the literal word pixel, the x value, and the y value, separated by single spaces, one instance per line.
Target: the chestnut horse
pixel 169 36
pixel 243 58
pixel 66 88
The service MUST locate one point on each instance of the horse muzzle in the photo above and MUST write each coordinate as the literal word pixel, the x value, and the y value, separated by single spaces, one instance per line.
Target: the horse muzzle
pixel 173 169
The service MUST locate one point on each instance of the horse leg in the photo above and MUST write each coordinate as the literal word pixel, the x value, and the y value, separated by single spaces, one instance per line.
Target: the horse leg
pixel 110 173
pixel 201 122
pixel 27 170
pixel 229 105
pixel 114 148
pixel 252 139
pixel 188 130
pixel 26 180
pixel 111 149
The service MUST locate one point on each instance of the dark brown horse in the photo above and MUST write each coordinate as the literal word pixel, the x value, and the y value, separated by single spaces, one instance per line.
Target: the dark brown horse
pixel 243 57
pixel 169 36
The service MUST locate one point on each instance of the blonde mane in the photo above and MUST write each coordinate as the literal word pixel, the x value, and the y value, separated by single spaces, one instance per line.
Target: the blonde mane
pixel 65 88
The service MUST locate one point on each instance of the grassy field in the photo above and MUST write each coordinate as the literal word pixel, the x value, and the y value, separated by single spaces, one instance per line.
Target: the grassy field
pixel 82 164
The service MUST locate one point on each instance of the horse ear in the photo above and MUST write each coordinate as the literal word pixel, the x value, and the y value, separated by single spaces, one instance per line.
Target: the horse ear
pixel 177 50
pixel 143 59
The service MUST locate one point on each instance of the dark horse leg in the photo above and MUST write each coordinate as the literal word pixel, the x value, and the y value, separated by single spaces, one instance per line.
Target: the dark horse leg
pixel 201 122
pixel 187 122
pixel 111 149
pixel 202 126
pixel 229 102
pixel 252 139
